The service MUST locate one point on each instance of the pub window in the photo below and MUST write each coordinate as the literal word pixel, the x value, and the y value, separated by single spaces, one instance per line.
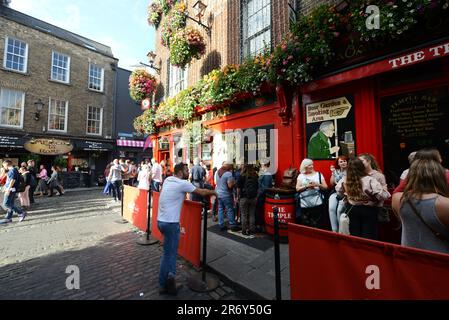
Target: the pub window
pixel 12 104
pixel 330 128
pixel 94 120
pixel 60 67
pixel 57 115
pixel 256 27
pixel 177 80
pixel 16 55
pixel 96 77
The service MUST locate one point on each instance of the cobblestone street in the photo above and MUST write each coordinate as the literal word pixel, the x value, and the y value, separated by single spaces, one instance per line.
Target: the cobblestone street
pixel 80 229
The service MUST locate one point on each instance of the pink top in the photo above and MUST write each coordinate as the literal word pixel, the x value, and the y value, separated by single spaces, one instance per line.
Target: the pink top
pixel 375 193
pixel 43 174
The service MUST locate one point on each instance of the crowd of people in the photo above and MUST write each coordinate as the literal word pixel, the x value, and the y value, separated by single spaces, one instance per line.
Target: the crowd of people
pixel 23 182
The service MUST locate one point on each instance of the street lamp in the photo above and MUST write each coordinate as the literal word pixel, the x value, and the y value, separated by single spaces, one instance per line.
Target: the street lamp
pixel 200 8
pixel 151 57
pixel 39 106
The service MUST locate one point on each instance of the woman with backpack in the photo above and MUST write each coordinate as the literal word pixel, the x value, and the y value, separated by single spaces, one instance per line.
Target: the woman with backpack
pixel 247 190
pixel 363 194
pixel 24 195
pixel 310 185
pixel 336 203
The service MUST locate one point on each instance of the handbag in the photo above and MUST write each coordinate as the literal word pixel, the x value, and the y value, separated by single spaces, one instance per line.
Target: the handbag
pixel 343 226
pixel 436 233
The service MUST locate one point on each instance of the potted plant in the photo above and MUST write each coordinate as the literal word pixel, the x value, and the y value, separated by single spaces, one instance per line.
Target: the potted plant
pixel 155 13
pixel 142 85
pixel 186 45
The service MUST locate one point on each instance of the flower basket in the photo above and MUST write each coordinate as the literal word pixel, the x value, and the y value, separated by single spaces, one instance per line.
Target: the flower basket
pixel 186 44
pixel 154 14
pixel 142 85
pixel 174 21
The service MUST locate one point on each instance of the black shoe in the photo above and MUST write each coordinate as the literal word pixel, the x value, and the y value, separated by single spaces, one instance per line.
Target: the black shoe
pixel 235 228
pixel 171 286
pixel 224 228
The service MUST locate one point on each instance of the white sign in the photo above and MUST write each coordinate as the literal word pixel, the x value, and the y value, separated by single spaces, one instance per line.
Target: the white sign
pixel 328 110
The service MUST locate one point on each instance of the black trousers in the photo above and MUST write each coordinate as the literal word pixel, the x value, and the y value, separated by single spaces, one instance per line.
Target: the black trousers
pixel 58 188
pixel 312 217
pixel 31 193
pixel 363 221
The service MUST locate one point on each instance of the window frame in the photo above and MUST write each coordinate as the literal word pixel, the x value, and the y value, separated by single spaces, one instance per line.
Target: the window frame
pixel 245 42
pixel 5 55
pixel 22 117
pixel 52 65
pixel 101 121
pixel 89 77
pixel 182 82
pixel 66 116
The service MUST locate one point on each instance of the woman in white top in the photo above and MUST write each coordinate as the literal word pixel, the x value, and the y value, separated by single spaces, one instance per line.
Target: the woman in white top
pixel 310 185
pixel 144 178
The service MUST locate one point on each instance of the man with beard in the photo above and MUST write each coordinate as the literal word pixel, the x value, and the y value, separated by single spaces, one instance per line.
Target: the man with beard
pixel 172 196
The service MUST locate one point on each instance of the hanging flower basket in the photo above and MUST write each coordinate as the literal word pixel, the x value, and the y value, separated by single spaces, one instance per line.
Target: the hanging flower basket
pixel 175 20
pixel 155 14
pixel 186 45
pixel 142 85
pixel 167 5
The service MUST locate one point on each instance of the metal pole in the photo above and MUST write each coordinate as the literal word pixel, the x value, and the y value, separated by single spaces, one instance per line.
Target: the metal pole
pixel 277 258
pixel 148 239
pixel 204 241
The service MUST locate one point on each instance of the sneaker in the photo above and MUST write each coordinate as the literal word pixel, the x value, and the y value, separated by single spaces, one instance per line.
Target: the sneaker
pixel 5 221
pixel 22 216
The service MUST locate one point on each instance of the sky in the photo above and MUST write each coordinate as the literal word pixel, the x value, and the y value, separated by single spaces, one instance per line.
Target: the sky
pixel 119 24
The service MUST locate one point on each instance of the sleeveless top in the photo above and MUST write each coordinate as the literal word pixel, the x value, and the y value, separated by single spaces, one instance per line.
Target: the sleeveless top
pixel 418 235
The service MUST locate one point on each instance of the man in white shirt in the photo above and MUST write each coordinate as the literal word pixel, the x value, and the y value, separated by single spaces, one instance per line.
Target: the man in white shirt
pixel 171 199
pixel 156 175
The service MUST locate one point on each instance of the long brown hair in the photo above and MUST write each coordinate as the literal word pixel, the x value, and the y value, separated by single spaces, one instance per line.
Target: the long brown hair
pixel 372 160
pixel 425 176
pixel 353 185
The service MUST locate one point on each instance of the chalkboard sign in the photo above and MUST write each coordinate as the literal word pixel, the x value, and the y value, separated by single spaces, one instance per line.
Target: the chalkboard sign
pixel 411 122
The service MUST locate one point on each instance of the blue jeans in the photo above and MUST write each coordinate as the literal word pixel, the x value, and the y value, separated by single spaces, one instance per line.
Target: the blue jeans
pixel 171 233
pixel 117 189
pixel 228 205
pixel 155 185
pixel 9 206
pixel 336 208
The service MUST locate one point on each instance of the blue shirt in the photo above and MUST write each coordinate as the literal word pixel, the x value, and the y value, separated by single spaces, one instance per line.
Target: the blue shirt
pixel 12 175
pixel 222 185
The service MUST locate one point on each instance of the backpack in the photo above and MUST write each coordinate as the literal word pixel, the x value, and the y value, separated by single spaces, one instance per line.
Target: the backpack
pixel 21 185
pixel 251 187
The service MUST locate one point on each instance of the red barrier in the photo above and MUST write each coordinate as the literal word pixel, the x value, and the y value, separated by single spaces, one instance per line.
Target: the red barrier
pixel 135 207
pixel 190 222
pixel 329 266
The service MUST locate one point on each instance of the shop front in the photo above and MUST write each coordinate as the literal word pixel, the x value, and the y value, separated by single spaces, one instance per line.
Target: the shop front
pixel 133 150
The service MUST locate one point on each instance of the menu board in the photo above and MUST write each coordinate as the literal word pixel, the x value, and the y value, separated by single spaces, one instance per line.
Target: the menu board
pixel 413 121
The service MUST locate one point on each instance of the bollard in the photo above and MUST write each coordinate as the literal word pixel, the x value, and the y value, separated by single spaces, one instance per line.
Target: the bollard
pixel 207 282
pixel 277 258
pixel 148 240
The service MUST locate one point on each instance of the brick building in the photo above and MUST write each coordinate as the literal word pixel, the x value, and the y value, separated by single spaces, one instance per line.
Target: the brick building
pixel 70 78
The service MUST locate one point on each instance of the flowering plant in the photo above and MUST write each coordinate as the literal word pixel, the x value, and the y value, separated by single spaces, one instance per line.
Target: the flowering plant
pixel 142 85
pixel 175 20
pixel 396 19
pixel 155 13
pixel 167 5
pixel 252 73
pixel 186 45
pixel 145 122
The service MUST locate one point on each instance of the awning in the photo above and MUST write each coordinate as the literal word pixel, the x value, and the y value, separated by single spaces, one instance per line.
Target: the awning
pixel 130 143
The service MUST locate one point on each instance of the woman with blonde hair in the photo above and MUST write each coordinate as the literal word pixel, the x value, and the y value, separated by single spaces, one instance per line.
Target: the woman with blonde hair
pixel 423 207
pixel 310 185
pixel 144 178
pixel 363 193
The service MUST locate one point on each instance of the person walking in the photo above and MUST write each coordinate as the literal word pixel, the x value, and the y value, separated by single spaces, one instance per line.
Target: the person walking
pixel 11 186
pixel 33 180
pixel 224 189
pixel 126 174
pixel 363 193
pixel 156 175
pixel 336 203
pixel 265 181
pixel 171 199
pixel 423 207
pixel 198 176
pixel 115 178
pixel 24 196
pixel 310 184
pixel 53 182
pixel 43 179
pixel 247 190
pixel 144 178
